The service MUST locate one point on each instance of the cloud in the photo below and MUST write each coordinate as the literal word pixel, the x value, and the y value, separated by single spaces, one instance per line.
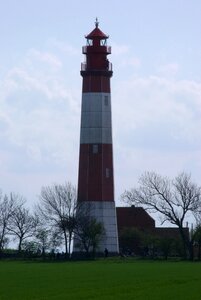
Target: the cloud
pixel 123 56
pixel 158 102
pixel 22 80
pixel 63 47
pixel 38 114
pixel 119 50
pixel 4 122
pixel 34 152
pixel 43 57
pixel 168 70
pixel 156 123
pixel 130 62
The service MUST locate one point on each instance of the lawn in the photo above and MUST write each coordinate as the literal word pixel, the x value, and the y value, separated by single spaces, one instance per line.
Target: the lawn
pixel 104 279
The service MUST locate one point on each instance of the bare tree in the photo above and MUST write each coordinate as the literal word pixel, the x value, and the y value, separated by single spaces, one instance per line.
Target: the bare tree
pixel 174 199
pixel 43 239
pixel 21 224
pixel 7 206
pixel 58 207
pixel 89 233
pixel 48 238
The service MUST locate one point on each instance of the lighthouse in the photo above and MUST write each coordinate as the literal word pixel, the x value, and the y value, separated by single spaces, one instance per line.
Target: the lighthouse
pixel 96 172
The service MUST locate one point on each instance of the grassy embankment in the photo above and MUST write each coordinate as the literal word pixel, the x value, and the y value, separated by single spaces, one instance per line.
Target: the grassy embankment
pixel 104 279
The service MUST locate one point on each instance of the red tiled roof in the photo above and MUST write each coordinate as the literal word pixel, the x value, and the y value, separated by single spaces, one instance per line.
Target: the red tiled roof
pixel 134 217
pixel 96 33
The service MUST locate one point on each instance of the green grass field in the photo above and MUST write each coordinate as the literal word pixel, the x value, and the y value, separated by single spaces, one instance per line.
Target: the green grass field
pixel 104 279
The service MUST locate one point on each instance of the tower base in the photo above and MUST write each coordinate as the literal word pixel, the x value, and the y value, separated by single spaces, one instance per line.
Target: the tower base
pixel 104 212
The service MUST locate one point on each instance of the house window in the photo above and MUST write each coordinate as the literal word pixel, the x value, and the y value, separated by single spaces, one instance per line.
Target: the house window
pixel 95 149
pixel 107 172
pixel 106 101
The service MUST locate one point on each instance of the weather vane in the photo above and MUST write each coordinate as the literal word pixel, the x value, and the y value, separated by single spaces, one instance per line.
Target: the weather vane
pixel 96 23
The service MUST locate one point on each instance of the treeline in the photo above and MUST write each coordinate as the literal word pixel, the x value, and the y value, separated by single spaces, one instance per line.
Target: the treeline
pixel 54 221
pixel 58 218
pixel 146 244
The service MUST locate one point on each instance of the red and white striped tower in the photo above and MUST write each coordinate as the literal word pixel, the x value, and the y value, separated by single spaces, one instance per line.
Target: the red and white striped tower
pixel 96 175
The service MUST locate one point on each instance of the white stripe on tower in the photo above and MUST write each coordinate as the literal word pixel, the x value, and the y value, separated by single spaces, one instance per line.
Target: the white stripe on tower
pixel 96 124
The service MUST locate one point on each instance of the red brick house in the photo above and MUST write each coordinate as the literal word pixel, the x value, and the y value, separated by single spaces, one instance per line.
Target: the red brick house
pixel 137 218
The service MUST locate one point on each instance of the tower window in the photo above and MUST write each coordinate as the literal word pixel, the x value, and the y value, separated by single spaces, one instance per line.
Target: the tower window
pixel 107 172
pixel 106 101
pixel 95 149
pixel 89 42
pixel 104 42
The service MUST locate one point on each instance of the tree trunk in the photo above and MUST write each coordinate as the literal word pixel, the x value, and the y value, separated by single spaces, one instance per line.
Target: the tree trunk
pixel 1 250
pixel 1 246
pixel 1 241
pixel 66 243
pixel 43 252
pixel 191 250
pixel 199 251
pixel 185 242
pixel 20 246
pixel 69 244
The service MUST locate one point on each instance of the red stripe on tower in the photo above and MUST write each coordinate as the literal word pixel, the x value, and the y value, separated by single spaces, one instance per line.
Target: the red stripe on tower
pixel 95 180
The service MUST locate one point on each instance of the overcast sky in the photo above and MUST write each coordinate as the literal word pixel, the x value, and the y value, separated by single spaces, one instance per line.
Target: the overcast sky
pixel 156 89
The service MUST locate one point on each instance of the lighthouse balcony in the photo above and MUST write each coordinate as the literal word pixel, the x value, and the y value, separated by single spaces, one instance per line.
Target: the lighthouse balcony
pixel 97 49
pixel 85 67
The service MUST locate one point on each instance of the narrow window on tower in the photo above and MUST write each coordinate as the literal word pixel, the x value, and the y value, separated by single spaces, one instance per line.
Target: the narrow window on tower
pixel 107 172
pixel 106 101
pixel 104 42
pixel 95 149
pixel 89 42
